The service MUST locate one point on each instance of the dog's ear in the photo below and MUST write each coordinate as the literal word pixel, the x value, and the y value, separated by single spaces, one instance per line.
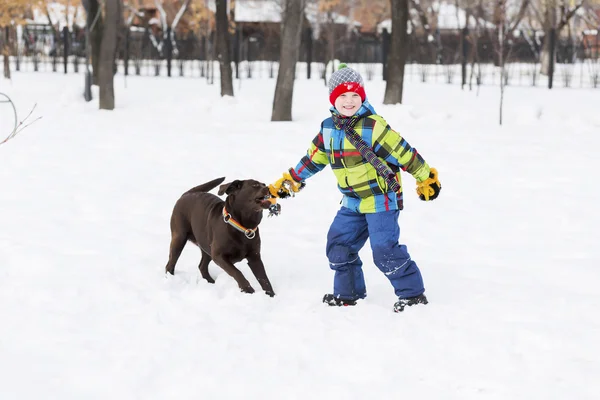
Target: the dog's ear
pixel 230 187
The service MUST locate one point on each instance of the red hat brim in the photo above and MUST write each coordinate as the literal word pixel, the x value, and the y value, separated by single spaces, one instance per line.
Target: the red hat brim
pixel 345 88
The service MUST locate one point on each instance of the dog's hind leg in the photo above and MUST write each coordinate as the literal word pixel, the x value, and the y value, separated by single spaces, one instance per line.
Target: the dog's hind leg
pixel 177 244
pixel 204 261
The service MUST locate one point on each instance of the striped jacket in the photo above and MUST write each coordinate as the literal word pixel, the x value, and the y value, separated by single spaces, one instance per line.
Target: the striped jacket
pixel 363 189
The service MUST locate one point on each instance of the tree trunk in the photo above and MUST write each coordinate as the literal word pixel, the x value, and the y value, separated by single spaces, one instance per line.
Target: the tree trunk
pixel 545 55
pixel 290 44
pixel 95 27
pixel 309 50
pixel 502 40
pixel 108 52
pixel 6 65
pixel 551 56
pixel 548 24
pixel 6 52
pixel 398 52
pixel 223 54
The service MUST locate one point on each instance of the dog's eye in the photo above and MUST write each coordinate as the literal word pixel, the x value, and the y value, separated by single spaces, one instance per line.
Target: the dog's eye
pixel 256 185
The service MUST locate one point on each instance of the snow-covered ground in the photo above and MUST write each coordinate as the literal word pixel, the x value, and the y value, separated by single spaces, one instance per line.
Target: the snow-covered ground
pixel 508 252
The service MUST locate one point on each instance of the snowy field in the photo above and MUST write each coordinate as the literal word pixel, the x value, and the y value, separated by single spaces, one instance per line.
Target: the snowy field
pixel 509 252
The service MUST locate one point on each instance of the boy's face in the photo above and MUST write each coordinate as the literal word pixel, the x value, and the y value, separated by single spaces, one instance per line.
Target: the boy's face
pixel 348 103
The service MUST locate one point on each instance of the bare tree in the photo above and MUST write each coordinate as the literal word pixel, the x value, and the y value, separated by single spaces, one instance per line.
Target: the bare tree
pixel 223 54
pixel 12 12
pixel 94 32
pixel 291 29
pixel 108 52
pixel 166 38
pixel 5 48
pixel 426 21
pixel 553 15
pixel 501 26
pixel 505 26
pixel 474 37
pixel 331 10
pixel 398 52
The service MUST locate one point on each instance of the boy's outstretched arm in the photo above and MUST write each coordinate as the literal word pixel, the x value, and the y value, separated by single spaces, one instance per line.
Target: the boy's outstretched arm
pixel 393 148
pixel 293 179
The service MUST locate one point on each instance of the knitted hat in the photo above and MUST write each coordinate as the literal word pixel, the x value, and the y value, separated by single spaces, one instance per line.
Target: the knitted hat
pixel 345 79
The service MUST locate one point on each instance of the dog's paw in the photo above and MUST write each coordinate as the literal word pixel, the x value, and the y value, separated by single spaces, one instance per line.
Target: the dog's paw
pixel 270 293
pixel 248 289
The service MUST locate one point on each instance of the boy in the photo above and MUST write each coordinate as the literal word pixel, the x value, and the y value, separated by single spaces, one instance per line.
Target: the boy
pixel 366 156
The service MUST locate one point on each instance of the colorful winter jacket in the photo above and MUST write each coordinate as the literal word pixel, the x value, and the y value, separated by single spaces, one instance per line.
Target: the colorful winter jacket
pixel 363 189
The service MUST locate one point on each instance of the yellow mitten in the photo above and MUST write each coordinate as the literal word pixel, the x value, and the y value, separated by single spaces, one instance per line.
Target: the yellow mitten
pixel 285 186
pixel 430 188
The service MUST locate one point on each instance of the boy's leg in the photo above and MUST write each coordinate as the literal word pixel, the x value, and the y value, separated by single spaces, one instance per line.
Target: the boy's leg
pixel 347 235
pixel 391 257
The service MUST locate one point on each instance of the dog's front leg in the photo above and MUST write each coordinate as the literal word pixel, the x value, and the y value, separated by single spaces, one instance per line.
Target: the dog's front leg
pixel 234 273
pixel 258 269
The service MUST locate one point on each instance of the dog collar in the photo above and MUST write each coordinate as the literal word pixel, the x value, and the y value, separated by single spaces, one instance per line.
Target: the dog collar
pixel 249 233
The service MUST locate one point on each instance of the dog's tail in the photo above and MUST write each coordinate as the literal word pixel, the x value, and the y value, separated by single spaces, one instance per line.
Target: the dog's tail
pixel 206 187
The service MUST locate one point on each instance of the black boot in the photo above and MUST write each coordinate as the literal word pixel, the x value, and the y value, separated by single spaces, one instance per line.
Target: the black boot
pixel 410 301
pixel 331 300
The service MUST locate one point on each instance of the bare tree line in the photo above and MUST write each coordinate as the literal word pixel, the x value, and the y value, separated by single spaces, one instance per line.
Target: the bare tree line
pixel 502 20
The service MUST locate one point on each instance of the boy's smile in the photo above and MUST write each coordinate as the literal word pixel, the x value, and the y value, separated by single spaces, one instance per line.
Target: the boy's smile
pixel 348 103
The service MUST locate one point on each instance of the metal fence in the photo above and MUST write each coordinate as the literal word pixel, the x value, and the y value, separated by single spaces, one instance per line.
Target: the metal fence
pixel 40 48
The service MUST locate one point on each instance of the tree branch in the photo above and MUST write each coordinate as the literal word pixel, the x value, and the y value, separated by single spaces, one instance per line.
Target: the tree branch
pixel 566 17
pixel 520 15
pixel 163 17
pixel 18 126
pixel 422 16
pixel 47 9
pixel 537 12
pixel 179 14
pixel 134 12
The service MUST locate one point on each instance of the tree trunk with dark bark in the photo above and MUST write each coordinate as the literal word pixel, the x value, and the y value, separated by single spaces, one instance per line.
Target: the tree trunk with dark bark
pixel 501 43
pixel 6 55
pixel 290 44
pixel 108 53
pixel 549 24
pixel 398 53
pixel 95 26
pixel 223 54
pixel 5 51
pixel 6 66
pixel 553 24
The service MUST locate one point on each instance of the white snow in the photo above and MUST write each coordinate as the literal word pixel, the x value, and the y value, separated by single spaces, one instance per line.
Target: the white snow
pixel 508 252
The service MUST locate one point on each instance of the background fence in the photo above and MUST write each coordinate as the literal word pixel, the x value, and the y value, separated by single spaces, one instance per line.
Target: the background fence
pixel 40 48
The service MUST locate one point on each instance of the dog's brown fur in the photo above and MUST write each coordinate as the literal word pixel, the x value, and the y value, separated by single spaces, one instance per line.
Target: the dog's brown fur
pixel 198 217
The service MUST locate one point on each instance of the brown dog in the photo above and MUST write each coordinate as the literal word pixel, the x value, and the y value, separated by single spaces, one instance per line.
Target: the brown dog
pixel 226 231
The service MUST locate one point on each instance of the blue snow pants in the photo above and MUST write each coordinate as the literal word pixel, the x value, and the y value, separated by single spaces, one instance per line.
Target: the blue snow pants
pixel 348 234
